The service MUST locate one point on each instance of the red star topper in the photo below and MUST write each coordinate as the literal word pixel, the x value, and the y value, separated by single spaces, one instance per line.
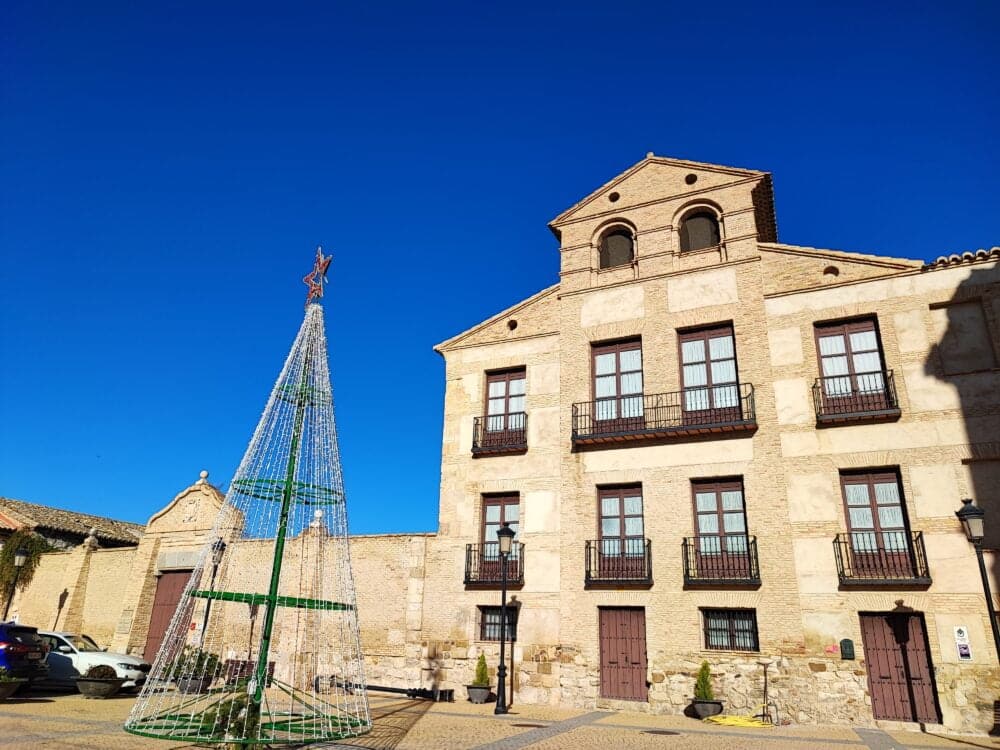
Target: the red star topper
pixel 315 279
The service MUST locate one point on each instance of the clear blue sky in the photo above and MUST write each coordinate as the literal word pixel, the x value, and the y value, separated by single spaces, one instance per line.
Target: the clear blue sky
pixel 168 169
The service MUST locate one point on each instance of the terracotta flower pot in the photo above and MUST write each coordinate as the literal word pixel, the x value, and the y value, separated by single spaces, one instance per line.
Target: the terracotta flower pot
pixel 96 687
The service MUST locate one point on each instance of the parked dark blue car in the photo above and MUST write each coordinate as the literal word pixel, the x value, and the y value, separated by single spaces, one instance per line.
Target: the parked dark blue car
pixel 22 651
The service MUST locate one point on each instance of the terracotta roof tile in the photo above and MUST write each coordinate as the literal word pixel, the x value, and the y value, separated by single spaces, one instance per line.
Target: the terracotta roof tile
pixel 57 519
pixel 956 259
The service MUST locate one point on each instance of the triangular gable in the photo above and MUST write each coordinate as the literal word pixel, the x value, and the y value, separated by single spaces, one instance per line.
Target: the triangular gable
pixel 537 315
pixel 678 169
pixel 791 268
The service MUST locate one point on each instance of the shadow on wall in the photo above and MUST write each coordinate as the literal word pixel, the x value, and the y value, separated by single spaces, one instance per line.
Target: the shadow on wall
pixel 966 356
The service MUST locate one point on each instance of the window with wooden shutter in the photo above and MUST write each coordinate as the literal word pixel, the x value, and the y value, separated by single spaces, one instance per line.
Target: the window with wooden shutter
pixel 709 375
pixel 721 545
pixel 850 361
pixel 877 526
pixel 618 383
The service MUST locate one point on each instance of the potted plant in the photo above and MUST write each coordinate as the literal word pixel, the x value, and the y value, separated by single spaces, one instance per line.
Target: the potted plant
pixel 704 704
pixel 9 683
pixel 479 690
pixel 100 681
pixel 194 670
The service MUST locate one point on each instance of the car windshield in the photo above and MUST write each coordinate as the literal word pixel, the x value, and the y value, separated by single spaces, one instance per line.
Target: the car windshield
pixel 82 643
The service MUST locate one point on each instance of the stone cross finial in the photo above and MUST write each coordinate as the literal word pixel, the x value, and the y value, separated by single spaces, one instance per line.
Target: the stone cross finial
pixel 90 541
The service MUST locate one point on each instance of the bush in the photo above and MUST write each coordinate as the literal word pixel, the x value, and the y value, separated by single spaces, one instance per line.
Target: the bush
pixel 193 664
pixel 482 674
pixel 703 685
pixel 6 676
pixel 101 672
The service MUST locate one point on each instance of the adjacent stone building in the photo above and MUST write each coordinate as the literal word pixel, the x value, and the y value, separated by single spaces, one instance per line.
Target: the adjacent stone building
pixel 713 447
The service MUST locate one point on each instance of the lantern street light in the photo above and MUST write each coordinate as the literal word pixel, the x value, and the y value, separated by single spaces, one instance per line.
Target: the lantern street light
pixel 505 536
pixel 20 558
pixel 218 549
pixel 972 518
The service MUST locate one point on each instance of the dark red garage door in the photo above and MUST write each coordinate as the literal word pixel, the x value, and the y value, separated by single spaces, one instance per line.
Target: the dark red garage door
pixel 900 673
pixel 623 653
pixel 169 588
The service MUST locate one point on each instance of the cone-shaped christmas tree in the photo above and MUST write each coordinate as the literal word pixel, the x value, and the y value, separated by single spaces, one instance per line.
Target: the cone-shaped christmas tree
pixel 264 647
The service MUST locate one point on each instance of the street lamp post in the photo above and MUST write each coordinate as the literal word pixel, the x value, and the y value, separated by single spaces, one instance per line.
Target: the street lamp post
pixel 972 518
pixel 20 558
pixel 505 536
pixel 218 549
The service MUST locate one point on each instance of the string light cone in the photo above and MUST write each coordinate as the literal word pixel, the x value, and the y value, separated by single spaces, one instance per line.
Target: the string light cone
pixel 264 647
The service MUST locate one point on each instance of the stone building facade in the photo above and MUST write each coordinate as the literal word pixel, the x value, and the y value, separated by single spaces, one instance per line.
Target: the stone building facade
pixel 713 447
pixel 728 449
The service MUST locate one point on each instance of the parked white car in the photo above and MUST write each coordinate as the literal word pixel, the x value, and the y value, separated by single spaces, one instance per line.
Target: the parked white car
pixel 71 655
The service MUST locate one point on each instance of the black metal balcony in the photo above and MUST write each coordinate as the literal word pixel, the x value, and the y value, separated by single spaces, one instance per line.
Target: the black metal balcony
pixel 720 561
pixel 500 434
pixel 618 562
pixel 881 558
pixel 483 565
pixel 692 412
pixel 865 397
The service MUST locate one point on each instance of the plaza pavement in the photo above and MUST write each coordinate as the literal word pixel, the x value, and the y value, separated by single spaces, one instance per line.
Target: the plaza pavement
pixel 60 720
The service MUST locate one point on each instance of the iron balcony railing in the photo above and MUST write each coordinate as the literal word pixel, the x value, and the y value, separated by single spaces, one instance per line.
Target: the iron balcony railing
pixel 616 561
pixel 483 565
pixel 720 561
pixel 502 433
pixel 693 411
pixel 881 558
pixel 865 396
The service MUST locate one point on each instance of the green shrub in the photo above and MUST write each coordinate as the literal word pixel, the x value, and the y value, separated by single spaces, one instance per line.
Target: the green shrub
pixel 237 716
pixel 7 676
pixel 34 545
pixel 482 674
pixel 703 685
pixel 193 663
pixel 101 672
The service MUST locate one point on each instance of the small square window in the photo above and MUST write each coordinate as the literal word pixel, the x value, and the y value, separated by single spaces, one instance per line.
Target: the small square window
pixel 731 629
pixel 489 624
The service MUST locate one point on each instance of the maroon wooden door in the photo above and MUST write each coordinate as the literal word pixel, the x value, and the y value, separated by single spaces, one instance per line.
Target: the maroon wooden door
pixel 900 673
pixel 623 653
pixel 169 588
